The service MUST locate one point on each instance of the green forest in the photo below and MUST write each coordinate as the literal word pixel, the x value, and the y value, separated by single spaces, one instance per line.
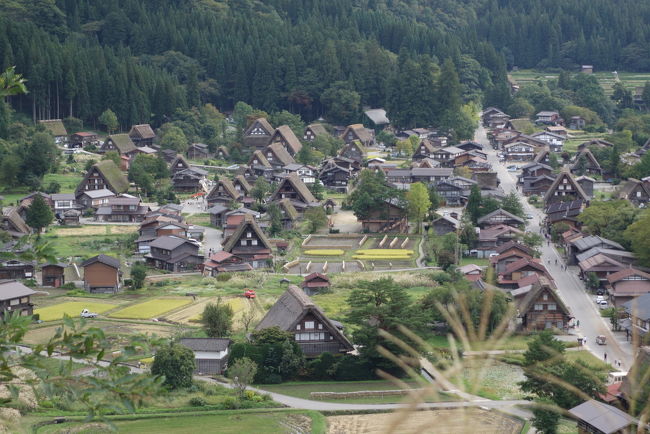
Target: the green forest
pixel 146 59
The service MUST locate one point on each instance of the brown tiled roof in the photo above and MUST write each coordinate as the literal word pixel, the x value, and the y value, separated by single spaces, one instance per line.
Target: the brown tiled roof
pixel 620 275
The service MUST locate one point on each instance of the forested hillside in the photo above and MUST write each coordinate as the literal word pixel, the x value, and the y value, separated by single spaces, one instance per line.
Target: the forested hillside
pixel 146 58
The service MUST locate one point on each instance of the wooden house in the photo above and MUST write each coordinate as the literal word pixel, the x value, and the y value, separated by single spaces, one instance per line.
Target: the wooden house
pixel 548 118
pixel 577 123
pixel 564 212
pixel 62 202
pixel 638 324
pixel 595 143
pixel 585 163
pixel 210 354
pixel 250 243
pixel 120 143
pixel 102 274
pixel 242 186
pixel 587 185
pixel 502 261
pixel 198 151
pixel 579 245
pixel 430 175
pixel 453 193
pixel 296 191
pixel 122 210
pixel 260 166
pixel 189 180
pixel 277 156
pixel 357 132
pixel 354 150
pixel 447 155
pixel 635 191
pixel 314 332
pixel 173 253
pixel 595 416
pixel 103 175
pixel 142 135
pixel 16 298
pixel 601 265
pixel 94 198
pixel 288 213
pixel 500 216
pixel 285 136
pixel 541 308
pixel 169 155
pixel 314 130
pixel 516 270
pixel 564 189
pixel 16 269
pixel 494 236
pixel 555 141
pixel 424 150
pixel 223 193
pixel 626 285
pixel 519 151
pixel 335 177
pixel 315 283
pixel 390 218
pixel 444 225
pixel 258 134
pixel 224 262
pixel 82 139
pixel 178 164
pixel 537 185
pixel 223 153
pixel 53 275
pixel 307 174
pixel 57 129
pixel 71 217
pixel 12 222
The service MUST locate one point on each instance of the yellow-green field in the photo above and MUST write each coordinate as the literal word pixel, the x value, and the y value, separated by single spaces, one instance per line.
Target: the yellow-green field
pixel 606 78
pixel 325 252
pixel 383 254
pixel 72 308
pixel 151 308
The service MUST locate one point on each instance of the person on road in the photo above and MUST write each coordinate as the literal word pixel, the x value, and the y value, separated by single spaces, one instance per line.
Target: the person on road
pixel 578 323
pixel 605 356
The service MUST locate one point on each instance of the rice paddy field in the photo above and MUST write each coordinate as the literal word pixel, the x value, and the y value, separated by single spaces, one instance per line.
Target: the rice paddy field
pixel 150 308
pixel 72 309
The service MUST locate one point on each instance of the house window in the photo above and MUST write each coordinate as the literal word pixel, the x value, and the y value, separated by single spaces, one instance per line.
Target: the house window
pixel 539 307
pixel 309 324
pixel 249 235
pixel 243 242
pixel 24 300
pixel 14 302
pixel 254 242
pixel 320 326
pixel 551 306
pixel 545 297
pixel 638 194
pixel 298 327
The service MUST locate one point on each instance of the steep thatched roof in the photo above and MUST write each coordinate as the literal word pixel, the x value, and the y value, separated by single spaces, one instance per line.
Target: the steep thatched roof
pixel 142 131
pixel 298 186
pixel 280 152
pixel 564 174
pixel 55 126
pixel 248 224
pixel 291 307
pixel 261 159
pixel 245 185
pixel 114 177
pixel 317 129
pixel 289 209
pixel 287 135
pixel 122 142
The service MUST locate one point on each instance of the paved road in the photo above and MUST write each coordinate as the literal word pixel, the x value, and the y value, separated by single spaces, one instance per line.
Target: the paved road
pixel 570 287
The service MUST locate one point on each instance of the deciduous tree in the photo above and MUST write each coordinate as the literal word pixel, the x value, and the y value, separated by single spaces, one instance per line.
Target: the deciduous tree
pixel 418 203
pixel 39 214
pixel 109 119
pixel 217 319
pixel 176 364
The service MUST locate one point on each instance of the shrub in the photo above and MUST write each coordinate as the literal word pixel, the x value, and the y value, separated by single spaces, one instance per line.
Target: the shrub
pixel 69 285
pixel 272 379
pixel 223 277
pixel 249 394
pixel 36 317
pixel 231 403
pixel 197 401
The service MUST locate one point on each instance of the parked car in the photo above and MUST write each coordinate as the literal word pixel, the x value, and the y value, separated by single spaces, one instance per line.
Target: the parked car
pixel 602 304
pixel 600 298
pixel 512 168
pixel 529 216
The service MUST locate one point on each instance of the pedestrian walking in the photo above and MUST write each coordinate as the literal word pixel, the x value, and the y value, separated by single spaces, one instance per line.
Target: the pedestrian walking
pixel 605 356
pixel 556 261
pixel 578 323
pixel 584 341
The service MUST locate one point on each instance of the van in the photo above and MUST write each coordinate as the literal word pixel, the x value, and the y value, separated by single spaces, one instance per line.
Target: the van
pixel 615 377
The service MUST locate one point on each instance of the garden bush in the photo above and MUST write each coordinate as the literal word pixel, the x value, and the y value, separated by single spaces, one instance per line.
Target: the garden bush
pixel 197 401
pixel 231 403
pixel 223 277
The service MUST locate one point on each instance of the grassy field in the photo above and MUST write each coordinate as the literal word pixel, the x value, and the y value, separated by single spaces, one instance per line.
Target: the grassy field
pixel 491 379
pixel 481 262
pixel 226 422
pixel 304 389
pixel 201 219
pixel 91 240
pixel 67 181
pixel 593 361
pixel 72 308
pixel 606 78
pixel 150 308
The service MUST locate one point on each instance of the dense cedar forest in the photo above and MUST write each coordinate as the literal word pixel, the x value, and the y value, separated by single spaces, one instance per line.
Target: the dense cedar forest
pixel 145 59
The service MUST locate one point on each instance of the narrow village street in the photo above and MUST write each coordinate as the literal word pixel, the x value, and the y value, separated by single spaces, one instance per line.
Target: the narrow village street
pixel 570 288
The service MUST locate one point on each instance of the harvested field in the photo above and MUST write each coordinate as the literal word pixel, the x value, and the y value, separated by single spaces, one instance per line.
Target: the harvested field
pixel 192 314
pixel 41 335
pixel 461 420
pixel 95 230
pixel 151 308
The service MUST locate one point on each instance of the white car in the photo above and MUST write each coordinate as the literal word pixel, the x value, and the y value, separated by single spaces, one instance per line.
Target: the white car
pixel 87 314
pixel 600 298
pixel 602 304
